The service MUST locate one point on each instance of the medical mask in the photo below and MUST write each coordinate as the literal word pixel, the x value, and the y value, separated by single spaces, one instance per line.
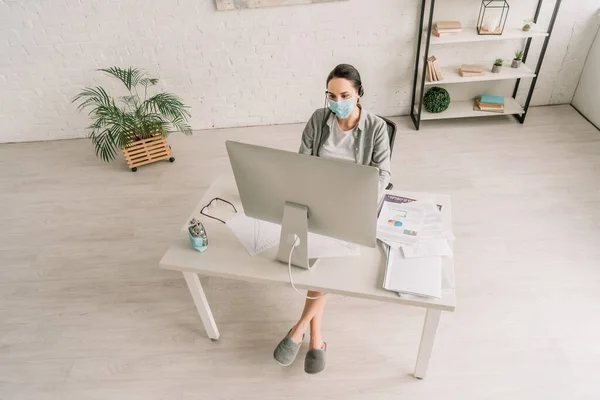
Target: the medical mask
pixel 343 108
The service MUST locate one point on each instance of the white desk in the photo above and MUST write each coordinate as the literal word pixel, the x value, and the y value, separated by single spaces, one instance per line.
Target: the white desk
pixel 360 276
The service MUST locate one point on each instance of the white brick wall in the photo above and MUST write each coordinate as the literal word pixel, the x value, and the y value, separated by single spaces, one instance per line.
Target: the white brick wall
pixel 250 67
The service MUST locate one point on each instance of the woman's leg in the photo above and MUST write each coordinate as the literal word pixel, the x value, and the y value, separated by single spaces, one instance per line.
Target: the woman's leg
pixel 312 307
pixel 316 339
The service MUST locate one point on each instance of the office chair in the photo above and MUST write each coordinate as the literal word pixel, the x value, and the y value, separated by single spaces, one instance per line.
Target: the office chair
pixel 392 134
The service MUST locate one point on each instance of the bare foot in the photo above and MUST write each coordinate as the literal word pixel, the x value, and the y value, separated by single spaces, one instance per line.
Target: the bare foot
pixel 298 331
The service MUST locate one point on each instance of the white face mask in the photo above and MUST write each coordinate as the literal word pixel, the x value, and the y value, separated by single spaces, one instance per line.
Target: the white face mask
pixel 342 109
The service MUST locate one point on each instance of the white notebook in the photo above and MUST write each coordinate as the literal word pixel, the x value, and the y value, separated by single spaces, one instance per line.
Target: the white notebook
pixel 416 276
pixel 428 248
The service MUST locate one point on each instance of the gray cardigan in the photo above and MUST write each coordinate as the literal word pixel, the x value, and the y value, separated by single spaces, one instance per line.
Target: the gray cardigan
pixel 373 143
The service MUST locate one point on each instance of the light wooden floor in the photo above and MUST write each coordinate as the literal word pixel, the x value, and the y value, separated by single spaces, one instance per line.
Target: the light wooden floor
pixel 85 313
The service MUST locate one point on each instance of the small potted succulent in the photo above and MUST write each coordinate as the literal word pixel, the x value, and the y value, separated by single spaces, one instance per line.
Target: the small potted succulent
pixel 516 62
pixel 497 66
pixel 526 27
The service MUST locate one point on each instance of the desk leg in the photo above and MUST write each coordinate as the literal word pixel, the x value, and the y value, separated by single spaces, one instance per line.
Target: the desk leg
pixel 432 320
pixel 199 297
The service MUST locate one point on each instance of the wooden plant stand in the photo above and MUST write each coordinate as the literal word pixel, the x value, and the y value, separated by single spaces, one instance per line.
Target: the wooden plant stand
pixel 147 151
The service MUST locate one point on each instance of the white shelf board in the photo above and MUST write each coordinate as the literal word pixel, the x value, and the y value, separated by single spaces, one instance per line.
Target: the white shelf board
pixel 451 75
pixel 464 109
pixel 469 34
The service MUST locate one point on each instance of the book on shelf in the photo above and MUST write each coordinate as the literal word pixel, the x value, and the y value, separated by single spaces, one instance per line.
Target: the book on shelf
pixel 492 99
pixel 438 70
pixel 471 68
pixel 428 74
pixel 438 30
pixel 467 70
pixel 431 67
pixel 434 72
pixel 443 28
pixel 448 25
pixel 465 74
pixel 435 32
pixel 488 107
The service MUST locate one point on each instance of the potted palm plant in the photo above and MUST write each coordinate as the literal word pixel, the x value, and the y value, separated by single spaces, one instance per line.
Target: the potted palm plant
pixel 516 62
pixel 497 66
pixel 136 124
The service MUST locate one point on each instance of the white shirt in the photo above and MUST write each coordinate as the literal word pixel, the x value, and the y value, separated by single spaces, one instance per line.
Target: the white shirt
pixel 340 144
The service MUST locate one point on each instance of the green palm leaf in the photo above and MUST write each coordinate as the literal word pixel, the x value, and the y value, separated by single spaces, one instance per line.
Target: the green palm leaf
pixel 130 77
pixel 181 125
pixel 167 104
pixel 104 145
pixel 145 82
pixel 92 96
pixel 115 127
pixel 130 101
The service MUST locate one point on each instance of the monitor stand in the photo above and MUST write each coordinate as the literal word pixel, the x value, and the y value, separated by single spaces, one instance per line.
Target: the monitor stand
pixel 295 222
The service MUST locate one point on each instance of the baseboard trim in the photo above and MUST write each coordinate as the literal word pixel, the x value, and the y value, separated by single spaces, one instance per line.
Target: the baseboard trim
pixel 586 118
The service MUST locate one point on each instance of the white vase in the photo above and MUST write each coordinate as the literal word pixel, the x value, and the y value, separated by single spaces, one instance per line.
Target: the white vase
pixel 490 24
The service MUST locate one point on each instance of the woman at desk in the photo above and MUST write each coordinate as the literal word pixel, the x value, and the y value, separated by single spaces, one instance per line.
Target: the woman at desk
pixel 345 131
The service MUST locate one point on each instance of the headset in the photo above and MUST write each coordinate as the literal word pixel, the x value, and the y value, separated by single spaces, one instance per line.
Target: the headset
pixel 327 112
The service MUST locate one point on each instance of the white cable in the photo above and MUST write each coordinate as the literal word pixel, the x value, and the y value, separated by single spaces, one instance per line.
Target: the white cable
pixel 290 271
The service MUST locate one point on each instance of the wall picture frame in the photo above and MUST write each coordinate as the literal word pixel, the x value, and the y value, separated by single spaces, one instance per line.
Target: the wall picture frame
pixel 230 5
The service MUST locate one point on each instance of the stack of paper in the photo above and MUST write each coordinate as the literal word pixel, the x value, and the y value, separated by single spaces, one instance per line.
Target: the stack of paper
pixel 414 259
pixel 399 222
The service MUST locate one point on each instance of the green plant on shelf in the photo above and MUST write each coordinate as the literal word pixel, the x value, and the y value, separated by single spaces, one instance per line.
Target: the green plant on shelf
pixel 526 27
pixel 436 100
pixel 498 62
pixel 519 55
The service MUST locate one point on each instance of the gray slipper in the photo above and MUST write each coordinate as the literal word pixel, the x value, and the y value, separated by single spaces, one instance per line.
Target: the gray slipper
pixel 315 360
pixel 286 351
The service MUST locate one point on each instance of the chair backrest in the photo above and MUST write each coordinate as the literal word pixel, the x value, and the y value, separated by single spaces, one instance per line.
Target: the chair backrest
pixel 391 132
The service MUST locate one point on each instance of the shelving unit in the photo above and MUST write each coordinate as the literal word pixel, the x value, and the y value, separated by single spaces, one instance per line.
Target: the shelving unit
pixel 464 109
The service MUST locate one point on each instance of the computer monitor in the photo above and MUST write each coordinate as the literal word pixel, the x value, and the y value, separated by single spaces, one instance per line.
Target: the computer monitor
pixel 306 194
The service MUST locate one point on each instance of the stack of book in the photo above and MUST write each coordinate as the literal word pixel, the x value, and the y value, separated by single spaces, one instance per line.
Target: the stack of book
pixel 470 70
pixel 434 72
pixel 489 104
pixel 443 28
